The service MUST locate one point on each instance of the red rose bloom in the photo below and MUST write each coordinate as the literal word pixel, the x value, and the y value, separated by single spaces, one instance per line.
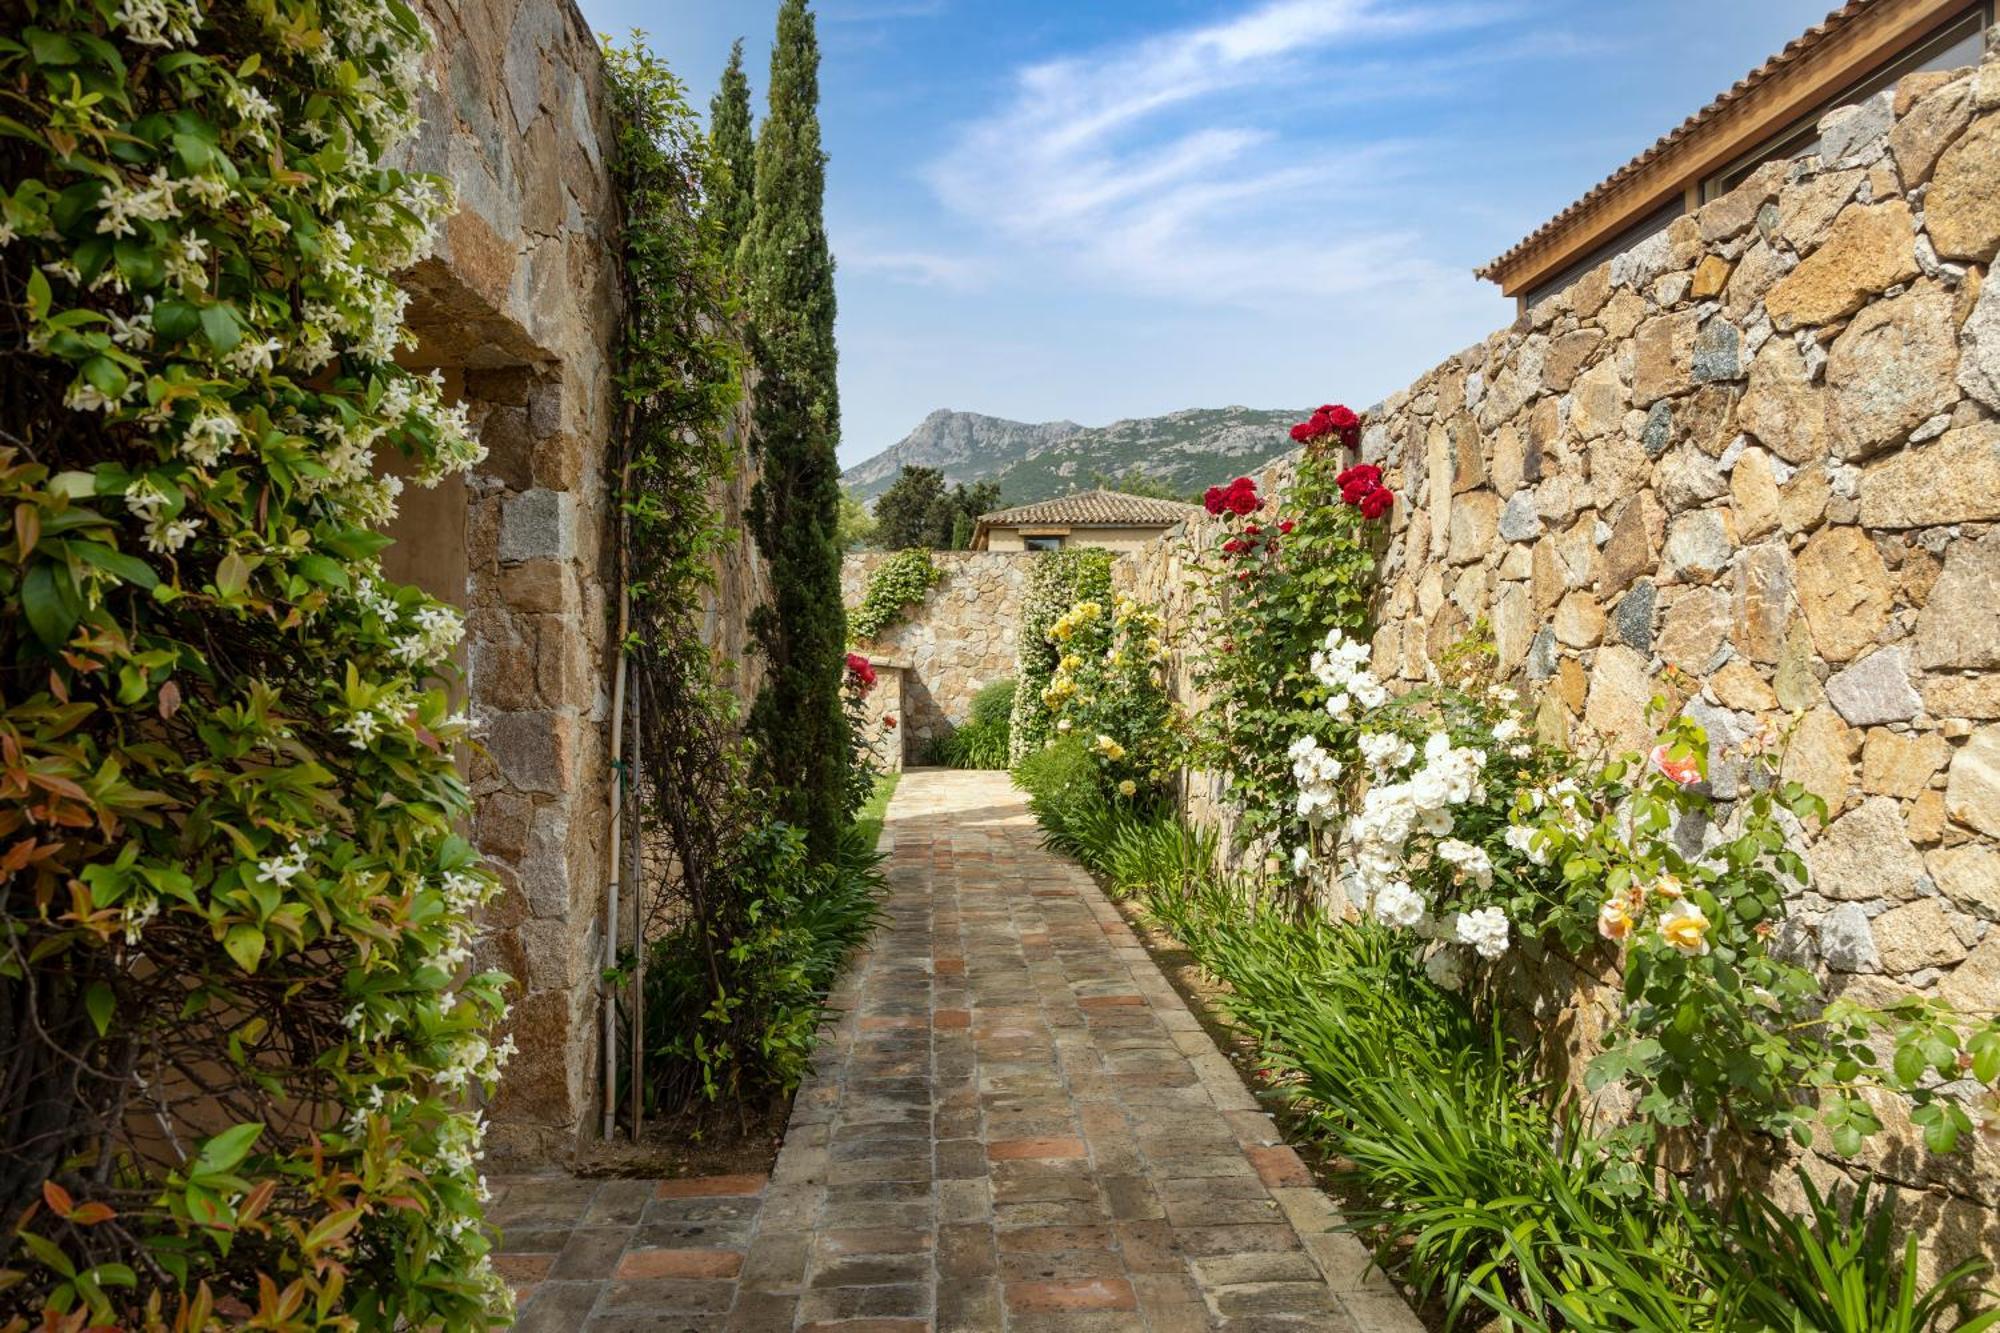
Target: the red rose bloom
pixel 1339 417
pixel 1211 499
pixel 1285 526
pixel 1303 431
pixel 1376 503
pixel 1252 529
pixel 1366 473
pixel 889 721
pixel 1241 497
pixel 861 672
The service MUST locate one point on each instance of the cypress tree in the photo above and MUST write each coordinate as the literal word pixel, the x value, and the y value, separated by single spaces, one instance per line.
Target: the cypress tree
pixel 729 132
pixel 803 735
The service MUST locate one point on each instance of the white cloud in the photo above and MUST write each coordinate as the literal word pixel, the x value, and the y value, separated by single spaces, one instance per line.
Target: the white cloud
pixel 919 268
pixel 1165 166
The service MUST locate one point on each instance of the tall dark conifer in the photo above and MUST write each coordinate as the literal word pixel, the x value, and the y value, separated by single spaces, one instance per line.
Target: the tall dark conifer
pixel 795 509
pixel 729 131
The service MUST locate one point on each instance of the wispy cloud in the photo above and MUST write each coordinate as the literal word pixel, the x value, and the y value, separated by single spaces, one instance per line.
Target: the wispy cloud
pixel 920 268
pixel 1174 165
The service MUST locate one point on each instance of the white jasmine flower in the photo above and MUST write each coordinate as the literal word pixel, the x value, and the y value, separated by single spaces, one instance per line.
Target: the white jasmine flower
pixel 164 536
pixel 283 868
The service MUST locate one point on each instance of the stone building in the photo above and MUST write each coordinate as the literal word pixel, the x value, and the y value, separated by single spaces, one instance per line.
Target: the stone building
pixel 519 309
pixel 1112 520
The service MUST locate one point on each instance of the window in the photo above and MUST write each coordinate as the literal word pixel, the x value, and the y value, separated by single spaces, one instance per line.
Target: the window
pixel 1956 45
pixel 1042 542
pixel 1650 225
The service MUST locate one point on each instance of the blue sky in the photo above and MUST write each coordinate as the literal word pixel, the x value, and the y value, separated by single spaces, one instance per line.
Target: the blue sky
pixel 1097 209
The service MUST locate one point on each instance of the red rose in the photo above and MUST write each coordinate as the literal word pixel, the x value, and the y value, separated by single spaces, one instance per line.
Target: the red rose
pixel 889 721
pixel 1376 503
pixel 1252 529
pixel 1353 492
pixel 1232 546
pixel 1211 499
pixel 1285 526
pixel 1339 418
pixel 1366 473
pixel 1351 437
pixel 861 671
pixel 1303 431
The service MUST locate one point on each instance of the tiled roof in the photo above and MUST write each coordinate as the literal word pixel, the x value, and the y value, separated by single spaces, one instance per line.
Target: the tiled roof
pixel 1094 508
pixel 1795 50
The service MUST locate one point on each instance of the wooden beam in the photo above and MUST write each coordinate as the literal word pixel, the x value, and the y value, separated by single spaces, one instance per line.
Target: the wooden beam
pixel 1861 47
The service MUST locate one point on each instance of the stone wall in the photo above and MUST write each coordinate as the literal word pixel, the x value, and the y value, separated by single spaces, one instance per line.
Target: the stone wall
pixel 520 308
pixel 519 305
pixel 1761 447
pixel 963 638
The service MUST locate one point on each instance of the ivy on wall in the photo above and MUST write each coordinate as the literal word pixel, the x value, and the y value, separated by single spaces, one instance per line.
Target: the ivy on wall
pixel 898 583
pixel 237 1017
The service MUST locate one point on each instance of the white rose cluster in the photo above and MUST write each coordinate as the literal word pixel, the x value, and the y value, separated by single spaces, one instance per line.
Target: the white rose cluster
pixel 1342 666
pixel 1317 774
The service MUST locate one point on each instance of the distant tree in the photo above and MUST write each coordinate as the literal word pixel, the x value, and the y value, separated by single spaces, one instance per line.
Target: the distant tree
pixel 918 511
pixel 734 197
pixel 1135 482
pixel 804 743
pixel 856 527
pixel 906 513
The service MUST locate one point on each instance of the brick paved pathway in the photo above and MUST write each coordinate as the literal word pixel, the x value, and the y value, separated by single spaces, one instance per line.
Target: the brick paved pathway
pixel 1015 1125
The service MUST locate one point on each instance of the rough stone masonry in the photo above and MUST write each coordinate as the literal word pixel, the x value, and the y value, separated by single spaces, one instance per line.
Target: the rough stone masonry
pixel 1762 447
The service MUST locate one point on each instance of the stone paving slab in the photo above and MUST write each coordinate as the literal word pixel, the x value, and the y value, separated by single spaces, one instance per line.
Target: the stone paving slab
pixel 1013 1124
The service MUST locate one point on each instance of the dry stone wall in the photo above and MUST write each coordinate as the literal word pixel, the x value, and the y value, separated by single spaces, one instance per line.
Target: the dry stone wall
pixel 962 638
pixel 520 308
pixel 1762 448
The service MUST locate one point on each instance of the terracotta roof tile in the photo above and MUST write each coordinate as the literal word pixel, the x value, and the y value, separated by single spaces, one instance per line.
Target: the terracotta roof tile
pixel 1094 508
pixel 1794 50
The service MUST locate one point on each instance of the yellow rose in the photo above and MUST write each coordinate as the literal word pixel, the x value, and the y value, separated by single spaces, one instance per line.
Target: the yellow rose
pixel 1683 926
pixel 1613 921
pixel 1128 788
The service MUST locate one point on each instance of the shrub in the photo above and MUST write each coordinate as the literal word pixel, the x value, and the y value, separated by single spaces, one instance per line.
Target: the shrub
pixel 805 919
pixel 1108 689
pixel 982 741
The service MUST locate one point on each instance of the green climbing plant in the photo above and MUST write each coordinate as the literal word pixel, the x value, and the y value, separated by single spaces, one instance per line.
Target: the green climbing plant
pixel 237 1003
pixel 900 582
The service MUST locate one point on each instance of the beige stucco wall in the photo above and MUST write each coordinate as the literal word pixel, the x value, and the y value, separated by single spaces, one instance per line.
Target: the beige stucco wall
pixel 1763 448
pixel 1110 539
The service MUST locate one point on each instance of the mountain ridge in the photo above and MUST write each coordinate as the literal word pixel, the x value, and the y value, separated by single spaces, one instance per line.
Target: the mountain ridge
pixel 1187 450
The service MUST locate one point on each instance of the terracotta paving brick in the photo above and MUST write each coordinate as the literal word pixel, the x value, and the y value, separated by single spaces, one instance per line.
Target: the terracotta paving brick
pixel 1060 1297
pixel 709 1187
pixel 680 1263
pixel 1013 1125
pixel 1005 1150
